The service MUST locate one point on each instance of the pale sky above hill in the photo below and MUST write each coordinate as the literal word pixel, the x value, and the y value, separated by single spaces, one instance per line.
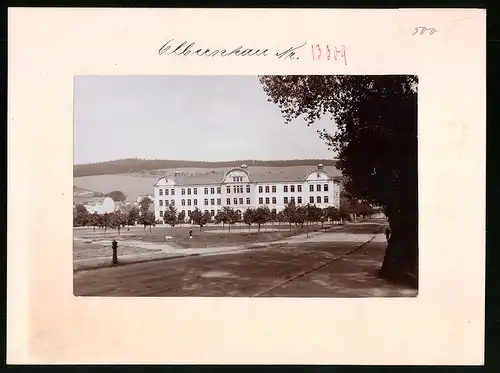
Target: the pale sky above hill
pixel 203 118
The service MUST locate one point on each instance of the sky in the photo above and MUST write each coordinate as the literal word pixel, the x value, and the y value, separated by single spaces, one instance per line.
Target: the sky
pixel 202 118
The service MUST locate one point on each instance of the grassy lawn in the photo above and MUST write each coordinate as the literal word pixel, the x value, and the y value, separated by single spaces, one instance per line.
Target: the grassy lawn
pixel 210 236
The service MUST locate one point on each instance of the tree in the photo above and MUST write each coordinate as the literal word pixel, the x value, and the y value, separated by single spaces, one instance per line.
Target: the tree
pixel 170 217
pixel 148 220
pixel 144 204
pixel 181 217
pixel 376 146
pixel 80 216
pixel 117 195
pixel 312 214
pixel 289 213
pixel 261 216
pixel 219 218
pixel 106 221
pixel 200 218
pixel 94 221
pixel 248 217
pixel 118 220
pixel 207 218
pixel 133 216
pixel 331 213
pixel 228 216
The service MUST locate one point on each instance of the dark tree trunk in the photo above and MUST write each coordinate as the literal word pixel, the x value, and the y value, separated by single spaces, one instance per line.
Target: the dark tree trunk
pixel 401 257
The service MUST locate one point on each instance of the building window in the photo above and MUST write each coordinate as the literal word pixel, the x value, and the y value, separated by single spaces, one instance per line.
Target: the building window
pixel 212 212
pixel 241 201
pixel 206 201
pixel 218 190
pixel 166 202
pixel 212 201
pixel 161 192
pixel 228 201
pixel 311 188
pixel 325 188
pixel 189 190
pixel 325 199
pixel 235 189
pixel 292 199
pixel 189 212
pixel 205 191
pixel 261 189
pixel 248 201
pixel 166 192
pixel 299 188
pixel 267 188
pixel 235 201
pixel 274 200
pixel 261 200
pixel 311 199
pixel 273 211
pixel 285 200
pixel 318 199
pixel 161 214
pixel 206 211
pixel 189 202
pixel 195 202
pixel 299 199
pixel 248 188
pixel 267 200
pixel 228 189
pixel 273 189
pixel 172 202
pixel 285 188
pixel 212 190
pixel 195 190
pixel 318 188
pixel 292 188
pixel 219 201
pixel 183 202
pixel 161 202
pixel 183 191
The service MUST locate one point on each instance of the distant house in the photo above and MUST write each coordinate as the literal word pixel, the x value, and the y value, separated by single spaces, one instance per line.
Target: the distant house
pixel 100 205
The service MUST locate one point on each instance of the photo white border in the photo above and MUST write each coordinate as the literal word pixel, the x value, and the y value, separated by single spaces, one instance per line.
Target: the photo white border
pixel 443 325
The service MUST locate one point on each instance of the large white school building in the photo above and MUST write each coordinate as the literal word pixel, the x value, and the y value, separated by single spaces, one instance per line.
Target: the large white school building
pixel 239 189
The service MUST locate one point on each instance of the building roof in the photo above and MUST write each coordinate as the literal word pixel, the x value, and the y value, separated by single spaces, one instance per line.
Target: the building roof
pixel 257 174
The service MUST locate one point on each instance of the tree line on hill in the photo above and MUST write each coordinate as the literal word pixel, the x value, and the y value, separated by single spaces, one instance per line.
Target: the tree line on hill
pixel 292 215
pixel 137 165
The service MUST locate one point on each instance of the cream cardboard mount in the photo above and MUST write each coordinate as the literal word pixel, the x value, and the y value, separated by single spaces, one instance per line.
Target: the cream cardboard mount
pixel 443 325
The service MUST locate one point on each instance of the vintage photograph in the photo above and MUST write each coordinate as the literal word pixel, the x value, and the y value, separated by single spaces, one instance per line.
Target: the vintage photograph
pixel 246 186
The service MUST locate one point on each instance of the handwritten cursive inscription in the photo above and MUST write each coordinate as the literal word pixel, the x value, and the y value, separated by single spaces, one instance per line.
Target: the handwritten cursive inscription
pixel 422 30
pixel 190 49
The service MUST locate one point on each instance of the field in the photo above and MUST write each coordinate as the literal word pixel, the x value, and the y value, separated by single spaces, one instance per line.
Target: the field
pixel 135 184
pixel 137 240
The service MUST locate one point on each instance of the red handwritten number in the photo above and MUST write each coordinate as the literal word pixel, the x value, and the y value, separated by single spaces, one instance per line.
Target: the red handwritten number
pixel 334 53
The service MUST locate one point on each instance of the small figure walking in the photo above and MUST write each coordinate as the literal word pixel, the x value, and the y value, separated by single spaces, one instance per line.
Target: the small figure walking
pixel 387 234
pixel 190 233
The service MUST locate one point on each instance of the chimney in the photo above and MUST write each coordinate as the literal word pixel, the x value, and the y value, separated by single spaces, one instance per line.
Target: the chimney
pixel 320 167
